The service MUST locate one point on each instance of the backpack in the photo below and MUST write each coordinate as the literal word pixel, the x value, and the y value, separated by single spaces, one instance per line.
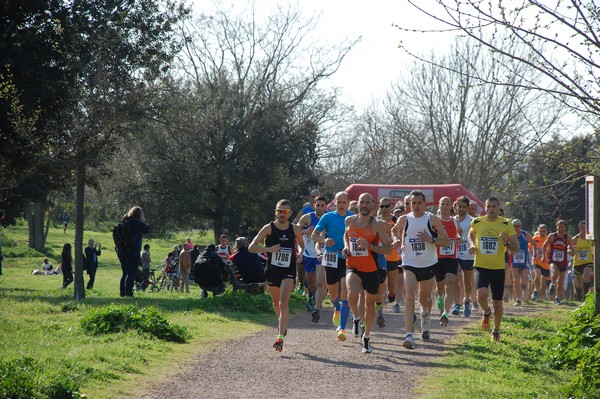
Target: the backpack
pixel 121 235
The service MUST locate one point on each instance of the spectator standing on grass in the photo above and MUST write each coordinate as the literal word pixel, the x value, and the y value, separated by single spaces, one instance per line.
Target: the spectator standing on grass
pixel 90 260
pixel 130 258
pixel 66 265
pixel 194 253
pixel 185 265
pixel 146 261
pixel 250 266
pixel 65 221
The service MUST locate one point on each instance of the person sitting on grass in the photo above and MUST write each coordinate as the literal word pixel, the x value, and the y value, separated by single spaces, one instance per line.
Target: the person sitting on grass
pixel 47 267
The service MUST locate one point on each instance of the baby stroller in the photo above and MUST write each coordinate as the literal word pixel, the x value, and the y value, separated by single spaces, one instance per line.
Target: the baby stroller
pixel 142 283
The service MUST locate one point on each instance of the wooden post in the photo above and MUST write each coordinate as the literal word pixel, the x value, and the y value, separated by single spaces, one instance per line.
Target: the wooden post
pixel 592 216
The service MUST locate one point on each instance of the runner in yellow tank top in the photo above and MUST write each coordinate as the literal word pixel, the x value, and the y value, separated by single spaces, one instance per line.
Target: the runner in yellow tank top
pixel 583 261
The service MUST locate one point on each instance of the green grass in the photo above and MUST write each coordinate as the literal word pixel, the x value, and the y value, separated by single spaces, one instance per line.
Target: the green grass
pixel 516 367
pixel 41 322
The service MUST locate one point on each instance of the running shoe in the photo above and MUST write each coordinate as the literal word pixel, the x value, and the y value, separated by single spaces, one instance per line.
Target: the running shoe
pixel 391 298
pixel 336 318
pixel 341 335
pixel 534 296
pixel 380 321
pixel 425 335
pixel 444 319
pixel 316 315
pixel 551 290
pixel 456 310
pixel 310 305
pixel 485 321
pixel 440 303
pixel 366 345
pixel 556 301
pixel 396 308
pixel 356 328
pixel 278 345
pixel 467 311
pixel 518 302
pixel 409 342
pixel 475 306
pixel 425 321
pixel 495 336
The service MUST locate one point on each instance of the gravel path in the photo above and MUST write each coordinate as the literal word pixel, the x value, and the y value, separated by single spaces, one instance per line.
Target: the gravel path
pixel 312 358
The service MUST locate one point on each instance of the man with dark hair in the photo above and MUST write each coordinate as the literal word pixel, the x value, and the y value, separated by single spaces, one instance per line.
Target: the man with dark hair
pixel 210 272
pixel 279 239
pixel 249 265
pixel 419 233
pixel 90 260
pixel 489 237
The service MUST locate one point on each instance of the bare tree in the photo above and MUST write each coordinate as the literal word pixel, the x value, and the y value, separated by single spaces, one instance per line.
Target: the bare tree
pixel 561 38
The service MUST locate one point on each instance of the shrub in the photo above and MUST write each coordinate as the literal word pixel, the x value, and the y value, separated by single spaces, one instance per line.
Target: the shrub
pixel 577 347
pixel 25 378
pixel 120 318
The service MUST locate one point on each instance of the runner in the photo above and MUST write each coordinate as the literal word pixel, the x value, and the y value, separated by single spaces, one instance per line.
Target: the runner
pixel 447 265
pixel 330 231
pixel 520 262
pixel 310 256
pixel 419 232
pixel 465 259
pixel 489 237
pixel 392 260
pixel 307 208
pixel 361 246
pixel 541 270
pixel 279 240
pixel 583 261
pixel 557 244
pixel 224 249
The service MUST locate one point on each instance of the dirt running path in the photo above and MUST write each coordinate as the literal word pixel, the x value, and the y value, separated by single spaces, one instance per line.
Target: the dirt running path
pixel 313 363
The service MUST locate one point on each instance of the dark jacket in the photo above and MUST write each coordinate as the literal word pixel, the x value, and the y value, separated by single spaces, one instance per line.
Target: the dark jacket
pixel 88 258
pixel 249 265
pixel 209 270
pixel 136 228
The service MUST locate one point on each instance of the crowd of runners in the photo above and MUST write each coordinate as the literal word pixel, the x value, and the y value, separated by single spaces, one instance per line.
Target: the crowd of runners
pixel 363 253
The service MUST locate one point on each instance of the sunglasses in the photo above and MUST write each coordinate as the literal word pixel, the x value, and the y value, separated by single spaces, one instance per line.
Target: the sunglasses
pixel 385 206
pixel 283 211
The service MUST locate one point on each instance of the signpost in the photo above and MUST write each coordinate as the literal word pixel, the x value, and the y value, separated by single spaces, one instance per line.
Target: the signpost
pixel 592 222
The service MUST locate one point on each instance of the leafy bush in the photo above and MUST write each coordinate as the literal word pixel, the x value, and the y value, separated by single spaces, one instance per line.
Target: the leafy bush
pixel 239 301
pixel 25 378
pixel 577 347
pixel 120 318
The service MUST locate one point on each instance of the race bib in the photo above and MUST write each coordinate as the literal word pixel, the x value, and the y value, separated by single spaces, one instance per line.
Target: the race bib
pixel 283 258
pixel 462 249
pixel 582 254
pixel 355 250
pixel 330 259
pixel 448 250
pixel 519 257
pixel 558 256
pixel 538 252
pixel 488 245
pixel 417 246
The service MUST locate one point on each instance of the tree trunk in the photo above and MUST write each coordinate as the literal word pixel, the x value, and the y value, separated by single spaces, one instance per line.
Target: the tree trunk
pixel 79 291
pixel 35 224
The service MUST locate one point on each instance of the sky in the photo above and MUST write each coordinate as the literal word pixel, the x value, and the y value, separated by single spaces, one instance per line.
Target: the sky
pixel 376 61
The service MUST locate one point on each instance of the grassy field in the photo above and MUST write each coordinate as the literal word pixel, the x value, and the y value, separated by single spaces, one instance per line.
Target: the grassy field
pixel 516 367
pixel 41 323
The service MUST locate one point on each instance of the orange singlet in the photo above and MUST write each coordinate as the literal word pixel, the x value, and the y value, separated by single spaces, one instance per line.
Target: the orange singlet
pixel 362 260
pixel 395 255
pixel 539 241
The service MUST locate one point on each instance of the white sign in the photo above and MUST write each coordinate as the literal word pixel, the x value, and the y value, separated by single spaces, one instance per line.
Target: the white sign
pixel 589 207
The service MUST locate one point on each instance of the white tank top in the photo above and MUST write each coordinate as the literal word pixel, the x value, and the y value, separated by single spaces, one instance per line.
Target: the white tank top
pixel 416 252
pixel 224 253
pixel 463 252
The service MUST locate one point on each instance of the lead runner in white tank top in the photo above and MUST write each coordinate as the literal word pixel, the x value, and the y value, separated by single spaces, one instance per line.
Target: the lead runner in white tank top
pixel 417 253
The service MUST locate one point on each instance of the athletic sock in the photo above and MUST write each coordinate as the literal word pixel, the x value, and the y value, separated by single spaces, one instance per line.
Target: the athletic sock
pixel 281 337
pixel 378 308
pixel 336 303
pixel 311 296
pixel 392 298
pixel 344 314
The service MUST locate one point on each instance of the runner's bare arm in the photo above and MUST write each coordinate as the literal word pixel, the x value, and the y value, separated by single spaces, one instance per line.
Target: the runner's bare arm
pixel 260 239
pixel 442 238
pixel 381 231
pixel 299 240
pixel 304 224
pixel 399 228
pixel 472 241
